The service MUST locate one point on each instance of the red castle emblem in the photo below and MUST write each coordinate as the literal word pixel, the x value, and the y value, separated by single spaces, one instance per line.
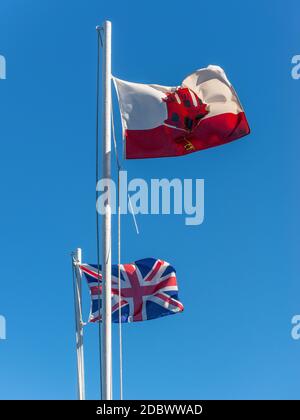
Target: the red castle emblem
pixel 185 111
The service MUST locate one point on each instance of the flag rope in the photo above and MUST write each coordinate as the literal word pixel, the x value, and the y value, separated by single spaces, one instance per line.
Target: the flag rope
pixel 119 256
pixel 119 169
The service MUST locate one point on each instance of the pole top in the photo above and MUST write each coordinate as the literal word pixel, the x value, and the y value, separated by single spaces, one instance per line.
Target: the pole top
pixel 77 254
pixel 107 24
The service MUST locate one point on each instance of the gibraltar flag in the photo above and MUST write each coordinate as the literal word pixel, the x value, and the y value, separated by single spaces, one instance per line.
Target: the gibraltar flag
pixel 160 121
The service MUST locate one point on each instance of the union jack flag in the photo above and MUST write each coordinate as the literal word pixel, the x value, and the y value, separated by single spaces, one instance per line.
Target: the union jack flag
pixel 148 290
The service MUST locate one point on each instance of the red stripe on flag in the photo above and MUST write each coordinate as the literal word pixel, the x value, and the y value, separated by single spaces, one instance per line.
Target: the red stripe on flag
pixel 164 141
pixel 154 271
pixel 170 300
pixel 90 272
pixel 116 306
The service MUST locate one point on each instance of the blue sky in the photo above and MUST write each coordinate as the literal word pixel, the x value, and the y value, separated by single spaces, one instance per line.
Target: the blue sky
pixel 238 272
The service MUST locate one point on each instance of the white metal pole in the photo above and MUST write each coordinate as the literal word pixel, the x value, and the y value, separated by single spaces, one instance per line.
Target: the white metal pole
pixel 79 325
pixel 106 227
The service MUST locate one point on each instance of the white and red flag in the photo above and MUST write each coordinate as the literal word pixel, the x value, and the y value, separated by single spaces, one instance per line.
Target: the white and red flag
pixel 161 121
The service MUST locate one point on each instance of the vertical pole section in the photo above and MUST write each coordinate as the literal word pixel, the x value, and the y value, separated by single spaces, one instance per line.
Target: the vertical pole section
pixel 106 227
pixel 78 322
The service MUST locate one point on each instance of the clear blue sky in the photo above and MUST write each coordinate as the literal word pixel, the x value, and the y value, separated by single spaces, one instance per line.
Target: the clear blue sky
pixel 238 272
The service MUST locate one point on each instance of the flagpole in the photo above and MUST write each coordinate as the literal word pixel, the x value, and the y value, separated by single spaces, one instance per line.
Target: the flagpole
pixel 77 259
pixel 106 347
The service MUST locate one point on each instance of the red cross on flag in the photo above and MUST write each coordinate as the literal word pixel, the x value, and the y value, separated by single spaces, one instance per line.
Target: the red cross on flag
pixel 148 290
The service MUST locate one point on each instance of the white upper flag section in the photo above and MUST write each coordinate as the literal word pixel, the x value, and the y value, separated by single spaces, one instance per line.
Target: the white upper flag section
pixel 142 106
pixel 214 89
